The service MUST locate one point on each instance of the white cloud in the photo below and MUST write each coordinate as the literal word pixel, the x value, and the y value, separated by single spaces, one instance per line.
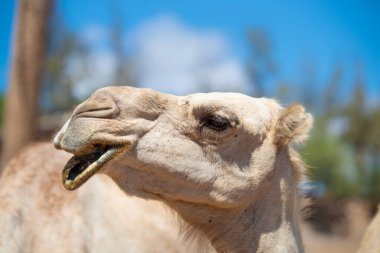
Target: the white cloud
pixel 174 58
pixel 94 35
pixel 94 71
pixel 96 68
pixel 168 57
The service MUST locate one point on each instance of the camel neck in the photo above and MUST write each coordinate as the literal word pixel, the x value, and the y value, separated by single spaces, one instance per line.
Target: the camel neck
pixel 270 224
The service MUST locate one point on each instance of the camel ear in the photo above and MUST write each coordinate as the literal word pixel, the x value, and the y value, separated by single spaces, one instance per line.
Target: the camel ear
pixel 293 125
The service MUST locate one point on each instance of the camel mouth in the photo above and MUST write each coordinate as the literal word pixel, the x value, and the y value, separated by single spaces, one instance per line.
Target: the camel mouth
pixel 82 167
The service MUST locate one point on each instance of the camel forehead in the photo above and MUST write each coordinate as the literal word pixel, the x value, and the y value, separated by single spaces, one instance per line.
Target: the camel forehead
pixel 249 108
pixel 246 106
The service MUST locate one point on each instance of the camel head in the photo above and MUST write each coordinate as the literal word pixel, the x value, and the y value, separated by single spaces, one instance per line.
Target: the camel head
pixel 215 149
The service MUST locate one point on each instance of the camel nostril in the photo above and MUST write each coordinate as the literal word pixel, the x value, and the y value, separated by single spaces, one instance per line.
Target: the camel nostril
pixel 97 107
pixel 107 112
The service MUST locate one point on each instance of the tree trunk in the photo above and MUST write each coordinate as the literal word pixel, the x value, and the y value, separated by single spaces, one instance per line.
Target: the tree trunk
pixel 21 103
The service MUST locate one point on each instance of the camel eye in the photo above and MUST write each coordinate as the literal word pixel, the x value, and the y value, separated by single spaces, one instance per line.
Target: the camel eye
pixel 216 123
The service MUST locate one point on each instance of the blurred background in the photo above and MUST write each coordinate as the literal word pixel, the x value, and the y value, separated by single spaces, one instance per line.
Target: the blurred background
pixel 324 54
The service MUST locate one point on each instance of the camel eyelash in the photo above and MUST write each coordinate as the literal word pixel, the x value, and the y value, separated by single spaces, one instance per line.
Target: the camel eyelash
pixel 216 123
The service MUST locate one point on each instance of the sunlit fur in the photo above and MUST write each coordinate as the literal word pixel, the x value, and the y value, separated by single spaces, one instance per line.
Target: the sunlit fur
pixel 37 215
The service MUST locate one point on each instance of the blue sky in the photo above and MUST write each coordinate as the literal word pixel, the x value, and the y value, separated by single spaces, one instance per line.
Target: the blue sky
pixel 324 32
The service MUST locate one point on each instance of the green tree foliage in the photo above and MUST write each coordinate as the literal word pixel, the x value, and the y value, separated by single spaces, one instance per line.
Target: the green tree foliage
pixel 124 72
pixel 2 98
pixel 261 65
pixel 329 160
pixel 57 92
pixel 363 134
pixel 346 161
pixel 373 134
pixel 64 46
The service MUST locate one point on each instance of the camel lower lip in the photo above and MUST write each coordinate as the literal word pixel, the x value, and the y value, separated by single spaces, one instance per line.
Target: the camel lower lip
pixel 81 168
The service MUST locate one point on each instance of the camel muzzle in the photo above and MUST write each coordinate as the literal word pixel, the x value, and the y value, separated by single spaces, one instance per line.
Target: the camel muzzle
pixel 82 167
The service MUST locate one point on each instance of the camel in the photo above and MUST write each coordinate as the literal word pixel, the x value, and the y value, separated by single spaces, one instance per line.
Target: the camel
pixel 371 239
pixel 38 215
pixel 223 162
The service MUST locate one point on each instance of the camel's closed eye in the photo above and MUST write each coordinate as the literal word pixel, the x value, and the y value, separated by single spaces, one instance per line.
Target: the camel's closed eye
pixel 216 122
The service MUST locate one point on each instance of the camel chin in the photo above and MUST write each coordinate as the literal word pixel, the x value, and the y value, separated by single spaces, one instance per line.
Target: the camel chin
pixel 81 167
